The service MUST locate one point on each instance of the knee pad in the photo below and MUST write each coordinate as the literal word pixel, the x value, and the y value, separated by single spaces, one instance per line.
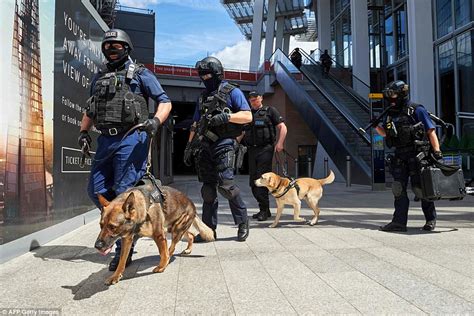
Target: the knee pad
pixel 208 193
pixel 228 189
pixel 397 189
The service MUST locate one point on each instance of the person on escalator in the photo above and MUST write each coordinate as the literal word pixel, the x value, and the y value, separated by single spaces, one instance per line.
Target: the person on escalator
pixel 296 58
pixel 326 62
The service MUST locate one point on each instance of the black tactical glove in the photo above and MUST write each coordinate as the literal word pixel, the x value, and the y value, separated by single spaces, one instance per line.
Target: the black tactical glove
pixel 438 155
pixel 151 126
pixel 188 155
pixel 374 123
pixel 84 138
pixel 219 119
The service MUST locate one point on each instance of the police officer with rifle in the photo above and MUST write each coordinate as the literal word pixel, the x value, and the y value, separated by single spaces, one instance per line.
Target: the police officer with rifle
pixel 408 128
pixel 220 115
pixel 120 94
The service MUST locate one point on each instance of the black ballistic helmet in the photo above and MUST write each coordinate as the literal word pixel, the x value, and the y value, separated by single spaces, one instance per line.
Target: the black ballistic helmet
pixel 397 89
pixel 210 65
pixel 117 35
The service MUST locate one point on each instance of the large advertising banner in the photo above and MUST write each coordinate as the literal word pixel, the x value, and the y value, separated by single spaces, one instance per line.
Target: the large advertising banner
pixel 77 59
pixel 50 53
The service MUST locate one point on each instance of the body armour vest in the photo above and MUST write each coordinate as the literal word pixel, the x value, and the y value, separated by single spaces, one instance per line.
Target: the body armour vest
pixel 261 131
pixel 113 105
pixel 402 129
pixel 215 104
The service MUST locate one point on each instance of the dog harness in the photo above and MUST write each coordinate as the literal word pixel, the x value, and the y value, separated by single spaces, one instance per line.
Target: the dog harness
pixel 290 186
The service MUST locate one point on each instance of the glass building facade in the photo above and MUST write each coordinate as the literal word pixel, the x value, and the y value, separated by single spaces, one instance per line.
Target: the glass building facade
pixel 454 38
pixel 453 32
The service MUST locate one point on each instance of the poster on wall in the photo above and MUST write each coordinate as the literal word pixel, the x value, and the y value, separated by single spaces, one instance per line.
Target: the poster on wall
pixel 51 52
pixel 77 59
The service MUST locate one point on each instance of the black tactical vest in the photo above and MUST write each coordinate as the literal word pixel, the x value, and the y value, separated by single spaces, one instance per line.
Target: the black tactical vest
pixel 113 105
pixel 402 129
pixel 261 131
pixel 210 105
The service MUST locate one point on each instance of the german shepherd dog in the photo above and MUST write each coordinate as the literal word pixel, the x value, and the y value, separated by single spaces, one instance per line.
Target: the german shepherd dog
pixel 134 214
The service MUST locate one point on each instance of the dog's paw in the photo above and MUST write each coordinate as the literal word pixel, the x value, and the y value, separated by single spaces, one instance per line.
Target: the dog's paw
pixel 186 251
pixel 159 269
pixel 113 279
pixel 299 219
pixel 312 223
pixel 273 225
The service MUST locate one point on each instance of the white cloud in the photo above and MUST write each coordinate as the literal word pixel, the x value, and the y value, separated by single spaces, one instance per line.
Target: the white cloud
pixel 237 56
pixel 213 5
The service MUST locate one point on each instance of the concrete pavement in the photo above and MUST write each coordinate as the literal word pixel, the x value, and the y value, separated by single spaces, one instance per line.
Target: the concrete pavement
pixel 344 265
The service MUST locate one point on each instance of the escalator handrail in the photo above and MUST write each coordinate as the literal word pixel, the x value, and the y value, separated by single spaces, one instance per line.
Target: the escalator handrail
pixel 361 101
pixel 341 139
pixel 341 111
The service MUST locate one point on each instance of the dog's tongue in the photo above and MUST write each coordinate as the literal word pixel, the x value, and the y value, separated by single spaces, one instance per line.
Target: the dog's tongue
pixel 106 251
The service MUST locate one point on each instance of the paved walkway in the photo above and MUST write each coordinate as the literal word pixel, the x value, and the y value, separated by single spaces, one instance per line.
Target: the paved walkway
pixel 344 265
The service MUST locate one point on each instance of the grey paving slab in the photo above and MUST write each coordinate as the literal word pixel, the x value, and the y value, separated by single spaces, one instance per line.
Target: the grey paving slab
pixel 343 265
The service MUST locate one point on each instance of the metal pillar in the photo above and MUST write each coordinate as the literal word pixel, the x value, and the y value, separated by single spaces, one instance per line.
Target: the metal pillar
pixel 324 24
pixel 360 46
pixel 270 32
pixel 279 32
pixel 256 34
pixel 286 44
pixel 420 42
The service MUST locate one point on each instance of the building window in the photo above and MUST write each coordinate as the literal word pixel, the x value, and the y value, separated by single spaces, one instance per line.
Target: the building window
pixel 444 17
pixel 463 11
pixel 446 81
pixel 402 41
pixel 389 42
pixel 465 71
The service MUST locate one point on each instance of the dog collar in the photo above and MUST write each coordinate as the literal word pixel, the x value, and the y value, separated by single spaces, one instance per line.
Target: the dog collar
pixel 279 184
pixel 290 186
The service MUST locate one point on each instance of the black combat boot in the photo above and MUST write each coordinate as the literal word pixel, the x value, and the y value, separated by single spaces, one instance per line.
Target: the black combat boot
pixel 115 261
pixel 393 227
pixel 243 231
pixel 430 225
pixel 256 215
pixel 264 215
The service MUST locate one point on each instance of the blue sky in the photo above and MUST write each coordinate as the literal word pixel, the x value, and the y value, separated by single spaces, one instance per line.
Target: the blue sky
pixel 189 30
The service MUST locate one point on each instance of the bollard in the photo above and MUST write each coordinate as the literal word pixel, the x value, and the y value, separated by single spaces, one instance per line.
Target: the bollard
pixel 326 166
pixel 348 171
pixel 309 168
pixel 296 168
pixel 468 163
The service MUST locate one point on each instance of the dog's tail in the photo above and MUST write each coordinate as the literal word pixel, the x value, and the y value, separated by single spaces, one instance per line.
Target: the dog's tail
pixel 329 179
pixel 206 233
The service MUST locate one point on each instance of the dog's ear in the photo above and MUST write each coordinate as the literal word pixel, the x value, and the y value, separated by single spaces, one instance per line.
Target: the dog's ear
pixel 129 206
pixel 272 181
pixel 103 201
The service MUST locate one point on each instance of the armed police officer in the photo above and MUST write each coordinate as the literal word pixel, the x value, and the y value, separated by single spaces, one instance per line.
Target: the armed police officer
pixel 409 129
pixel 221 112
pixel 260 137
pixel 120 94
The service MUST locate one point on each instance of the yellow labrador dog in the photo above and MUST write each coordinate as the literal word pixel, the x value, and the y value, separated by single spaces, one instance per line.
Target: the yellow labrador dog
pixel 290 192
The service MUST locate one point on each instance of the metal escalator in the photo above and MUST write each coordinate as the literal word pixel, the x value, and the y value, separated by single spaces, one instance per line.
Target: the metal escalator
pixel 333 120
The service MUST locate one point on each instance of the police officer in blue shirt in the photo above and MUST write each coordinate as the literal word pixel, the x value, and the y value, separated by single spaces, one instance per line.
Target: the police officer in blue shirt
pixel 223 108
pixel 120 94
pixel 409 128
